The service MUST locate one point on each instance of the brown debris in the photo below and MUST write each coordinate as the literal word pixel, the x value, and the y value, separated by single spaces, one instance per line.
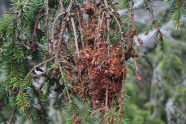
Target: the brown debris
pixel 138 77
pixel 89 10
pixel 77 119
pixel 100 67
pixel 96 70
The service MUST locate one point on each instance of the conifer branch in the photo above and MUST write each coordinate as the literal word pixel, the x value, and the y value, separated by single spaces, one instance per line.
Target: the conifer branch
pixel 80 28
pixel 38 66
pixel 75 35
pixel 12 115
pixel 3 96
pixel 97 111
pixel 71 40
pixel 155 22
pixel 47 30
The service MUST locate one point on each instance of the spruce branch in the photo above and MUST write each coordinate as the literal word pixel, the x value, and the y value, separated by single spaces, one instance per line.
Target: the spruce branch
pixel 154 22
pixel 12 115
pixel 97 111
pixel 40 64
pixel 3 96
pixel 119 25
pixel 177 12
pixel 26 3
pixel 72 43
pixel 75 35
pixel 80 28
pixel 47 30
pixel 53 26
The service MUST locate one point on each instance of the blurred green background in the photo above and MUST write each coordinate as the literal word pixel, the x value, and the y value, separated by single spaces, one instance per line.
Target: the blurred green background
pixel 160 98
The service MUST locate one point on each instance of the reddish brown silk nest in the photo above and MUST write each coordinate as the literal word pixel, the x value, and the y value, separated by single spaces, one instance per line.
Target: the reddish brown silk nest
pixel 100 67
pixel 98 72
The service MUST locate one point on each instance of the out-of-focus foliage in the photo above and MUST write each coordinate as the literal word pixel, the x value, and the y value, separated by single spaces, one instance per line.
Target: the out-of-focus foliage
pixel 160 98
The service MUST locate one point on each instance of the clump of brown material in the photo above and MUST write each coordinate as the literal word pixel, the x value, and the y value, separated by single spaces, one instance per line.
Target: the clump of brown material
pixel 99 72
pixel 89 10
pixel 77 119
pixel 100 61
pixel 100 66
pixel 138 77
pixel 106 73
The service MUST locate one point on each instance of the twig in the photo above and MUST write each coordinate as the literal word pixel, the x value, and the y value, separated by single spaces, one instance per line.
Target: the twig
pixel 38 120
pixel 96 111
pixel 12 115
pixel 38 66
pixel 53 25
pixel 97 32
pixel 132 30
pixel 3 96
pixel 39 101
pixel 75 35
pixel 80 28
pixel 106 104
pixel 42 108
pixel 103 62
pixel 5 12
pixel 122 95
pixel 30 114
pixel 70 6
pixel 179 13
pixel 71 40
pixel 136 66
pixel 108 33
pixel 47 54
pixel 62 7
pixel 36 76
pixel 25 4
pixel 106 101
pixel 23 44
pixel 154 20
pixel 121 33
pixel 68 95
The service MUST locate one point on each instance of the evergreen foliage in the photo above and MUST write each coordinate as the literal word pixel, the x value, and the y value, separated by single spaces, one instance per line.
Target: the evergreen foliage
pixel 35 79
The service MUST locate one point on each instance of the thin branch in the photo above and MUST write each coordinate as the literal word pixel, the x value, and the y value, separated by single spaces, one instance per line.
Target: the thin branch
pixel 38 66
pixel 62 7
pixel 47 54
pixel 136 66
pixel 154 20
pixel 106 101
pixel 108 33
pixel 3 96
pixel 71 40
pixel 23 45
pixel 122 95
pixel 25 4
pixel 132 30
pixel 97 111
pixel 80 28
pixel 70 6
pixel 30 114
pixel 75 35
pixel 53 25
pixel 121 33
pixel 68 95
pixel 12 115
pixel 43 73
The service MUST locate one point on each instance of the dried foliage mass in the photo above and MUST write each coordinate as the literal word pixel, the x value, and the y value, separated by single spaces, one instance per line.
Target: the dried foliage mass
pixel 101 68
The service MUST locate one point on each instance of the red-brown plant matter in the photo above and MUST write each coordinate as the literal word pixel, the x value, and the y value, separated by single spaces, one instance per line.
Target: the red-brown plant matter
pixel 101 68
